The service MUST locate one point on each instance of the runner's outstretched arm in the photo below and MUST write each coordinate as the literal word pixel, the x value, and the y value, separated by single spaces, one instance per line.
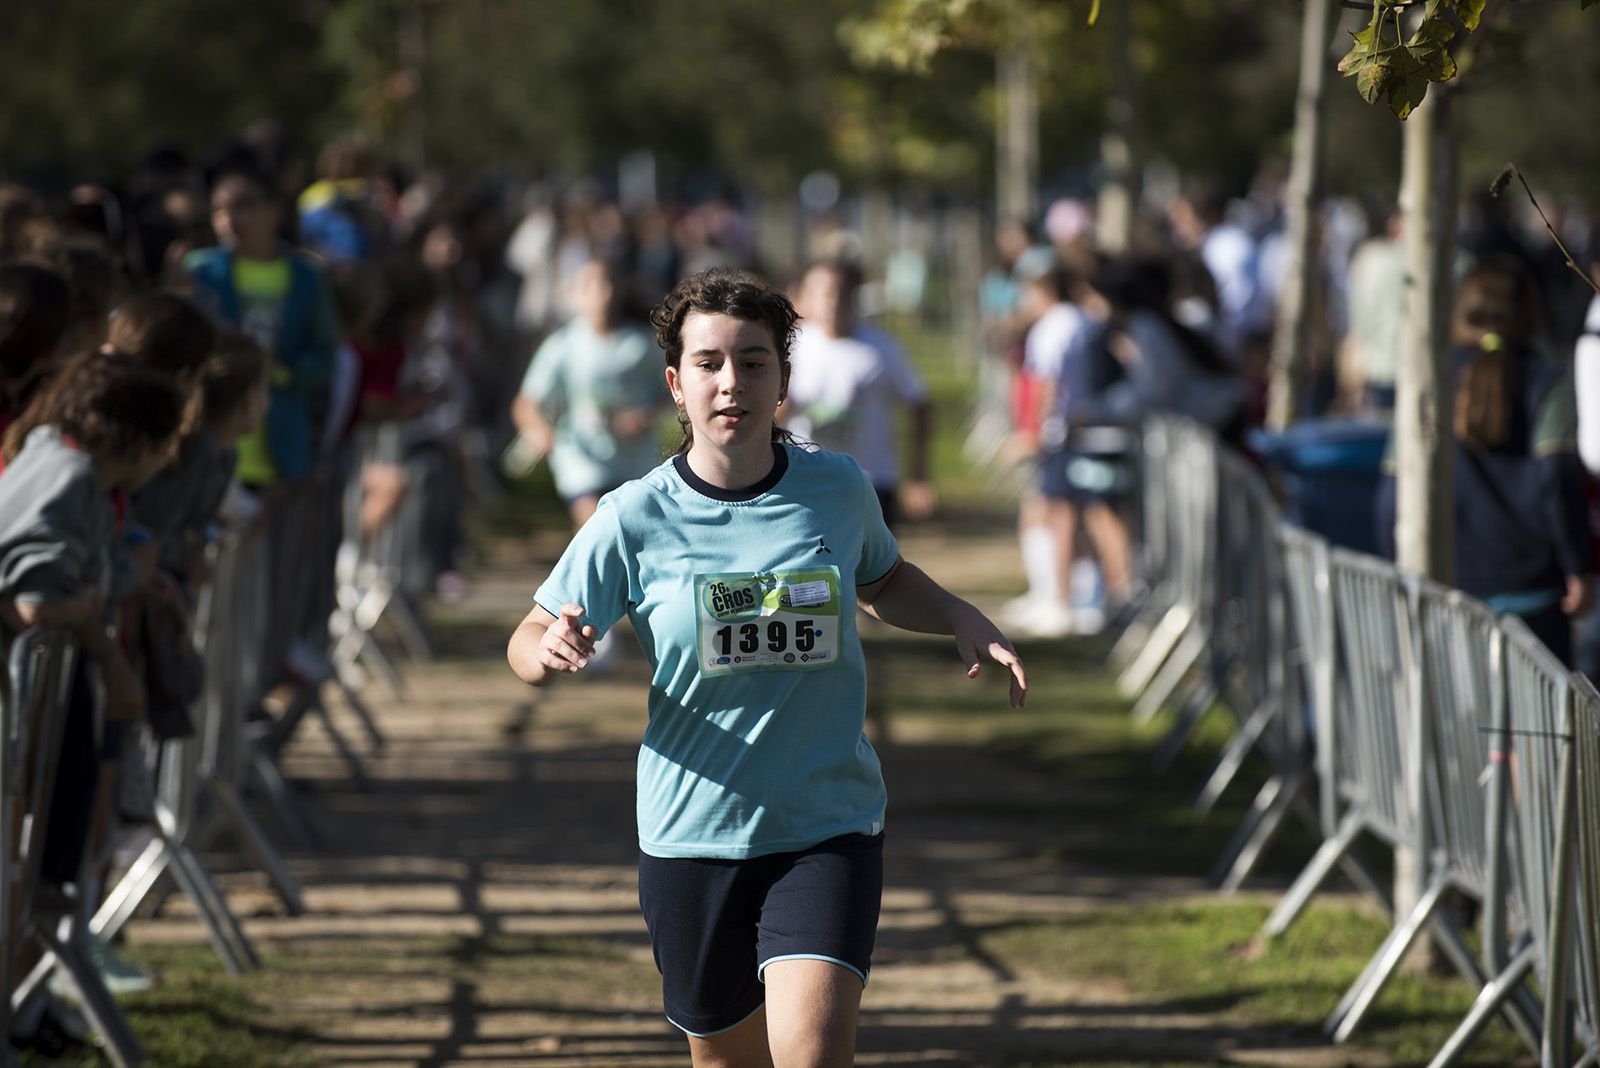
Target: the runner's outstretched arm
pixel 907 598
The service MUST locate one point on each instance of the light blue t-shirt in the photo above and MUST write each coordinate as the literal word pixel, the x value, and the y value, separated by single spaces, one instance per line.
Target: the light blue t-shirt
pixel 580 379
pixel 745 606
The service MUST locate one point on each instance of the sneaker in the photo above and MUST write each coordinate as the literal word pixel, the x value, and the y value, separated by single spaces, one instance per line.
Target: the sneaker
pixel 1047 620
pixel 1017 612
pixel 1088 620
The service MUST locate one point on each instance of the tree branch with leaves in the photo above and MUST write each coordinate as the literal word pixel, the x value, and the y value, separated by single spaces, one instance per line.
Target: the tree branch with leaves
pixel 1396 69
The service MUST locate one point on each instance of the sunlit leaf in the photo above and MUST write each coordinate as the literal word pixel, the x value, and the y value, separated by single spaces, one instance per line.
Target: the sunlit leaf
pixel 1372 81
pixel 1427 49
pixel 1470 12
pixel 1362 50
pixel 1409 82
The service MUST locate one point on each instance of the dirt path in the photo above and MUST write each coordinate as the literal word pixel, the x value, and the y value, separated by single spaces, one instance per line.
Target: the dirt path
pixel 478 906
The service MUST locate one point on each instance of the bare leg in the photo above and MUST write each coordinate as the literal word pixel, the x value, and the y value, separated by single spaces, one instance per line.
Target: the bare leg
pixel 1062 517
pixel 812 1009
pixel 1109 532
pixel 744 1046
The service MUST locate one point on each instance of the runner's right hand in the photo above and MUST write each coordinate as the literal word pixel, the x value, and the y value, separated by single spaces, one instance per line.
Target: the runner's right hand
pixel 567 644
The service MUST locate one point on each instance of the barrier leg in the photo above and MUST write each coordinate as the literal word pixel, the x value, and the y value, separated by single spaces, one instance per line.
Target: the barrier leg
pixel 1167 680
pixel 352 641
pixel 1299 894
pixel 352 644
pixel 347 752
pixel 284 799
pixel 377 661
pixel 1491 999
pixel 227 936
pixel 1233 757
pixel 369 723
pixel 132 889
pixel 66 944
pixel 1193 711
pixel 255 843
pixel 1369 984
pixel 1162 640
pixel 1137 634
pixel 1240 856
pixel 409 628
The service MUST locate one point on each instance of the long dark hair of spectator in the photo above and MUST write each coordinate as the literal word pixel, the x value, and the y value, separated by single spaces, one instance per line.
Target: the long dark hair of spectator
pixel 35 307
pixel 1496 313
pixel 162 332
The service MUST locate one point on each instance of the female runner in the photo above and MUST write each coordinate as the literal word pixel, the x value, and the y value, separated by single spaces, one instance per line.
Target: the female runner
pixel 740 563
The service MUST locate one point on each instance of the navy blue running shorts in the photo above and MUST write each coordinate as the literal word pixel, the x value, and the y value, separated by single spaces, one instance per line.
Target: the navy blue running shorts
pixel 716 924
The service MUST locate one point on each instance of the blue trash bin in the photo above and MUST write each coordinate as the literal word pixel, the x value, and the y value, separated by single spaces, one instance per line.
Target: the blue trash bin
pixel 1330 469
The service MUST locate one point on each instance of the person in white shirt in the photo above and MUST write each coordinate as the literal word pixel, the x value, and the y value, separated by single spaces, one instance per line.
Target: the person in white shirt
pixel 1047 521
pixel 1586 383
pixel 1230 255
pixel 849 381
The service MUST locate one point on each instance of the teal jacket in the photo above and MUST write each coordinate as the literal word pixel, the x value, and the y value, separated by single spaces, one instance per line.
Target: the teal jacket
pixel 303 355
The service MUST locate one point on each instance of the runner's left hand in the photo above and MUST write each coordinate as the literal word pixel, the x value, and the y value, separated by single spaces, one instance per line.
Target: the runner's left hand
pixel 976 639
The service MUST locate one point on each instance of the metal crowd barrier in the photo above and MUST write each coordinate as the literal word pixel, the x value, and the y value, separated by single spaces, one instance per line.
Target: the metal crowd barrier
pixel 1246 634
pixel 1182 606
pixel 308 526
pixel 42 663
pixel 1586 919
pixel 1151 556
pixel 368 580
pixel 202 779
pixel 1411 712
pixel 260 622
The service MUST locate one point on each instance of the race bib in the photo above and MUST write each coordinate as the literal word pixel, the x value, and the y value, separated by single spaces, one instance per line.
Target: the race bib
pixel 778 619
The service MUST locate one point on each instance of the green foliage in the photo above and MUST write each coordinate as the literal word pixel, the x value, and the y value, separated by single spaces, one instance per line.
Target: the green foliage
pixel 96 83
pixel 1396 70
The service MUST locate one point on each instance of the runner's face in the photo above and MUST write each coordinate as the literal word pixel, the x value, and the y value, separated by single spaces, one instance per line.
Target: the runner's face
pixel 729 381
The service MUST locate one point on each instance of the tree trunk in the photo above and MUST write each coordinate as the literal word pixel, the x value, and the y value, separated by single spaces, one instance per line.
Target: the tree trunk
pixel 1424 533
pixel 1017 161
pixel 1119 191
pixel 1293 334
pixel 412 49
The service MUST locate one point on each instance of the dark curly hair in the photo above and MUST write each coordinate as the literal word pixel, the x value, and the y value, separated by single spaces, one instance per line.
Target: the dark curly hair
pixel 164 332
pixel 113 408
pixel 725 291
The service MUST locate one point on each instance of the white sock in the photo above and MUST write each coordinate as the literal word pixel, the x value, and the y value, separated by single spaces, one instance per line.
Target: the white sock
pixel 1087 589
pixel 1039 563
